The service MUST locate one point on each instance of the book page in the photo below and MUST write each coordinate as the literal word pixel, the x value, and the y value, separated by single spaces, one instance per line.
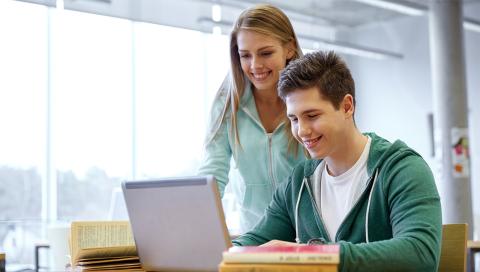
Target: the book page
pixel 100 238
pixel 97 234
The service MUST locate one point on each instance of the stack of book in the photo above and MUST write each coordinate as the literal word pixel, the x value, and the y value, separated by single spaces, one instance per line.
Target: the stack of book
pixel 103 246
pixel 2 262
pixel 301 258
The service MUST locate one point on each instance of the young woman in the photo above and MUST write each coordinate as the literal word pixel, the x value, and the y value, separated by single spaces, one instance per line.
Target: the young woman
pixel 248 121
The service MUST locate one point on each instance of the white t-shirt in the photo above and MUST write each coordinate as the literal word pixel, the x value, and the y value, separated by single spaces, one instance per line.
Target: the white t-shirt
pixel 337 195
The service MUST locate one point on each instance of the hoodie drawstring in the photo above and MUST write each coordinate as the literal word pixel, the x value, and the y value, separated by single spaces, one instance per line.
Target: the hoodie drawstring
pixel 368 206
pixel 297 239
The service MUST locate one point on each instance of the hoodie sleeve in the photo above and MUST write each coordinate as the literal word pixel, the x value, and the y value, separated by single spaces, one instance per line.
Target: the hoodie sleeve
pixel 217 153
pixel 275 223
pixel 413 204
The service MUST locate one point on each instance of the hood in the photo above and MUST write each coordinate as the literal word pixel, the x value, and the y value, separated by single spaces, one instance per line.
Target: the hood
pixel 381 153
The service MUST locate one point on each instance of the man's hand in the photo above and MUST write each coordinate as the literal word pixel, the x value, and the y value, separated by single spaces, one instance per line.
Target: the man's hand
pixel 280 243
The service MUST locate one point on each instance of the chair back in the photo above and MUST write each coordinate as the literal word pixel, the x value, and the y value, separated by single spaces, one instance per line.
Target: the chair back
pixel 453 255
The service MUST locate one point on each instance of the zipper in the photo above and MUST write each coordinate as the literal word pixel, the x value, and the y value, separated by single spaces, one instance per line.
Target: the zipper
pixel 269 137
pixel 270 161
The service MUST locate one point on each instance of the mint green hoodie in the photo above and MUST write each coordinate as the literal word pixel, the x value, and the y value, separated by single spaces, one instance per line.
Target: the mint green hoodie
pixel 399 212
pixel 263 160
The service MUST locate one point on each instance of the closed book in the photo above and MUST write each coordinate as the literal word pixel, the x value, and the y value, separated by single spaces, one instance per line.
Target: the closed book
pixel 236 267
pixel 311 254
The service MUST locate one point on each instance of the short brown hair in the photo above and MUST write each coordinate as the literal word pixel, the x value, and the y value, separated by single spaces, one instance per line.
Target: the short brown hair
pixel 324 70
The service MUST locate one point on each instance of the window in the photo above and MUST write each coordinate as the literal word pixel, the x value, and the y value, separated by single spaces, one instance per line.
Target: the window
pixel 23 92
pixel 87 101
pixel 91 112
pixel 169 88
pixel 176 77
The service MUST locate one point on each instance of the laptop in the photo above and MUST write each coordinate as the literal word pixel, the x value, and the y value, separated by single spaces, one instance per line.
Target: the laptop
pixel 178 223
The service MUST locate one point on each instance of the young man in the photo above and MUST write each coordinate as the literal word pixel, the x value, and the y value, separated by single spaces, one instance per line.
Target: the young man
pixel 376 199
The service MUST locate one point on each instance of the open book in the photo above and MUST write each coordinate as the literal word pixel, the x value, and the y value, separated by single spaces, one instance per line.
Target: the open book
pixel 102 245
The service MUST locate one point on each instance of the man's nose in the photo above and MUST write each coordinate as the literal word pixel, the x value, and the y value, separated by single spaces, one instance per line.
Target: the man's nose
pixel 303 129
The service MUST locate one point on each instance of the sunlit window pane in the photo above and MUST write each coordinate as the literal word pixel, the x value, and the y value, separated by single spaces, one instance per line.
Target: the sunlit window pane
pixel 23 92
pixel 217 63
pixel 91 111
pixel 169 83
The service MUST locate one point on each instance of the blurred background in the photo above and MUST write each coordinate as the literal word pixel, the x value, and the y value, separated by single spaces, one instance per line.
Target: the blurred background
pixel 94 92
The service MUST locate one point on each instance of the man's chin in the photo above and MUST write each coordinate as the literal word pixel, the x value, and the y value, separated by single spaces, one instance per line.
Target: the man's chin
pixel 315 155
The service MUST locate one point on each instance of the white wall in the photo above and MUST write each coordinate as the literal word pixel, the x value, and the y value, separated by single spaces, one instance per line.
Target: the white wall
pixel 395 96
pixel 473 86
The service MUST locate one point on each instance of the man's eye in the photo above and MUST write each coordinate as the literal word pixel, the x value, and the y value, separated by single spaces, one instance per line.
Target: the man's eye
pixel 312 116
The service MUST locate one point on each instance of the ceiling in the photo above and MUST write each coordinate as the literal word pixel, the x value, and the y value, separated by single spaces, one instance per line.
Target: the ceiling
pixel 335 13
pixel 318 20
pixel 327 13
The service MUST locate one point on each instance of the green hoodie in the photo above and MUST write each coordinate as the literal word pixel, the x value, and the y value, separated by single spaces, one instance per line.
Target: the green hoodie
pixel 399 211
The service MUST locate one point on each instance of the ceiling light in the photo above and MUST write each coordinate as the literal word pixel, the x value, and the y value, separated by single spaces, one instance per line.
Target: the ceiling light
pixel 216 30
pixel 350 49
pixel 216 13
pixel 397 6
pixel 59 4
pixel 472 25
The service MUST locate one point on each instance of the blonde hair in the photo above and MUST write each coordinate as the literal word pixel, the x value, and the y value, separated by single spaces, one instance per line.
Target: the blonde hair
pixel 267 20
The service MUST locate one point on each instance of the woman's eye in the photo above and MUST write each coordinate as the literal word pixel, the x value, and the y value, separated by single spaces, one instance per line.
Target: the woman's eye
pixel 266 53
pixel 243 56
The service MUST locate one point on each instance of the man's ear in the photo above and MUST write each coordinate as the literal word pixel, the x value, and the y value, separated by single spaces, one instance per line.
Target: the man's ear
pixel 347 105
